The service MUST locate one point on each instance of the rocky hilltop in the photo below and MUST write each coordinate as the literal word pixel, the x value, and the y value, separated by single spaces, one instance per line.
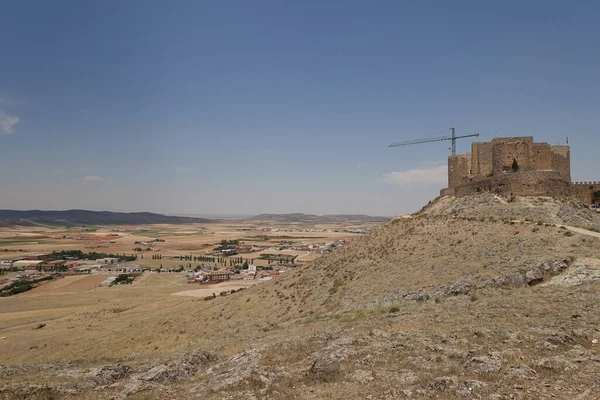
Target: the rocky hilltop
pixel 479 297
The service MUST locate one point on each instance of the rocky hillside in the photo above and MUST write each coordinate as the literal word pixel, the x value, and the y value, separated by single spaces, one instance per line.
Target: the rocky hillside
pixel 535 209
pixel 471 298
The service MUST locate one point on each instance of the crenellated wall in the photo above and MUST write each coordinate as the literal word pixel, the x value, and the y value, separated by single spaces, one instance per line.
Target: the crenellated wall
pixel 584 191
pixel 544 170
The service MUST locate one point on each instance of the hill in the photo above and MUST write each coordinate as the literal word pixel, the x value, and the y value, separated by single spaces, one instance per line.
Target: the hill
pixel 465 299
pixel 85 217
pixel 312 218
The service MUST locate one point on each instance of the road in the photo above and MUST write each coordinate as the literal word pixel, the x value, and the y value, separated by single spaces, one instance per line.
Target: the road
pixel 571 228
pixel 582 231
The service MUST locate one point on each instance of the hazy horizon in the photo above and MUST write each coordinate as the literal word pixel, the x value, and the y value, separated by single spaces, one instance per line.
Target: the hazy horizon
pixel 210 216
pixel 280 107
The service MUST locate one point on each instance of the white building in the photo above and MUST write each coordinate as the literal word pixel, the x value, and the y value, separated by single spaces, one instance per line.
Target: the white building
pixel 107 260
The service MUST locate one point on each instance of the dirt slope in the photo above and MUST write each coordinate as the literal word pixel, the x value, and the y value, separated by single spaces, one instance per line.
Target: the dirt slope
pixel 544 209
pixel 459 301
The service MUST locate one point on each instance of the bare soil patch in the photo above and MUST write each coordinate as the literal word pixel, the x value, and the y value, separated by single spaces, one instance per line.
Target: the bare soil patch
pixel 67 284
pixel 207 290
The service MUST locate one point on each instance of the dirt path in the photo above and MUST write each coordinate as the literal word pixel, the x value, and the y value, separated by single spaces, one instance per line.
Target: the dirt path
pixel 582 231
pixel 571 228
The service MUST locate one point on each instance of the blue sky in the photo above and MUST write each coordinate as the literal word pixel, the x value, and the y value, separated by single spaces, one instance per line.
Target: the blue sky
pixel 237 107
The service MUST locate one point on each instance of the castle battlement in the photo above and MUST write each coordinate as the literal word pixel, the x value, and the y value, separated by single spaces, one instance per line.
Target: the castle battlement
pixel 542 170
pixel 588 184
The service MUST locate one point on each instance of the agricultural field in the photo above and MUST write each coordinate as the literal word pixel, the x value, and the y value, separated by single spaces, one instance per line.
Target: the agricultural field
pixel 75 296
pixel 177 240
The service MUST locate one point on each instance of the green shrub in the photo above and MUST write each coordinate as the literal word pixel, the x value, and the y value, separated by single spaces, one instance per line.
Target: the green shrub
pixel 515 165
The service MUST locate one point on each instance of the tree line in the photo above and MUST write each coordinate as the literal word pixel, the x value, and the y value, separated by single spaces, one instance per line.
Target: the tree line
pixel 92 255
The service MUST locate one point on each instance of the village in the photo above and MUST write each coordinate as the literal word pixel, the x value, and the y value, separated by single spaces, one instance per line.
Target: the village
pixel 260 257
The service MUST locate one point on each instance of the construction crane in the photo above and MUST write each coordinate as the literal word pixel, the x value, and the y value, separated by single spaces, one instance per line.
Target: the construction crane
pixel 436 139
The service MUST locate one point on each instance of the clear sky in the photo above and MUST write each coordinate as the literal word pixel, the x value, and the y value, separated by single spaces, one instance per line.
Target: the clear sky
pixel 243 107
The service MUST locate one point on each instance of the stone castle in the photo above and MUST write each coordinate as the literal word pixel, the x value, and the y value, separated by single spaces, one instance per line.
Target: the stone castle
pixel 516 166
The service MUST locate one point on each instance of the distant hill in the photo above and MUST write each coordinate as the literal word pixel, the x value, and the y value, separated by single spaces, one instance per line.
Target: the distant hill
pixel 85 217
pixel 331 218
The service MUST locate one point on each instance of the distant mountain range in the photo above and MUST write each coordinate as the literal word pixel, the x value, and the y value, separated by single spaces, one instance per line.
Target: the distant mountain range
pixel 313 218
pixel 85 217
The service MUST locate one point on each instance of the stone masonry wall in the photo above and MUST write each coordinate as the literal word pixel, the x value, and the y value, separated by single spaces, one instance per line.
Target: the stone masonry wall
pixel 481 153
pixel 475 158
pixel 506 150
pixel 584 191
pixel 522 183
pixel 561 161
pixel 542 156
pixel 459 169
pixel 544 170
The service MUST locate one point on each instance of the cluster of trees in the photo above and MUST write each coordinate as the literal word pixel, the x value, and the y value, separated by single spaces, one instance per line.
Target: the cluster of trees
pixel 240 260
pixel 92 255
pixel 16 287
pixel 223 261
pixel 157 256
pixel 228 243
pixel 139 249
pixel 198 258
pixel 175 269
pixel 225 293
pixel 123 279
pixel 278 258
pixel 20 286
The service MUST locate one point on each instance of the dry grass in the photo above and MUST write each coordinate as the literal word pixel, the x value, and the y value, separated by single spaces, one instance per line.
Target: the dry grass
pixel 356 292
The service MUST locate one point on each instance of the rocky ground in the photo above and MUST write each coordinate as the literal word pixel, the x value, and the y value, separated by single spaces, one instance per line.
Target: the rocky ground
pixel 450 303
pixel 544 209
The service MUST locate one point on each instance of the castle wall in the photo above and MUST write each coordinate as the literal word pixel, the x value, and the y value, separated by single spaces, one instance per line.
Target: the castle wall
pixel 459 169
pixel 542 156
pixel 522 183
pixel 561 161
pixel 584 191
pixel 506 150
pixel 481 153
pixel 475 158
pixel 544 170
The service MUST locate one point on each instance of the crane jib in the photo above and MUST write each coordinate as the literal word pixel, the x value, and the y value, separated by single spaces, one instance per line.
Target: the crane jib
pixel 436 139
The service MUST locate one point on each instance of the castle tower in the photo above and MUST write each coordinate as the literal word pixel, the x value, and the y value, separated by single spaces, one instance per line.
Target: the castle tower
pixel 544 170
pixel 506 150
